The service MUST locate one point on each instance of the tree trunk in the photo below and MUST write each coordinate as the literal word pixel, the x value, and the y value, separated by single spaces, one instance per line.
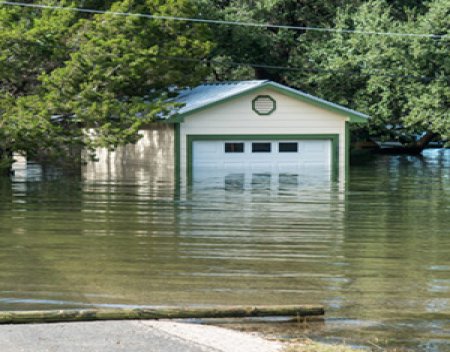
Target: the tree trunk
pixel 425 140
pixel 22 317
pixel 5 165
pixel 414 148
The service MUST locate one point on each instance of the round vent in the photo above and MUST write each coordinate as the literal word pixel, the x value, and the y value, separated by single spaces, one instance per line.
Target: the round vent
pixel 264 105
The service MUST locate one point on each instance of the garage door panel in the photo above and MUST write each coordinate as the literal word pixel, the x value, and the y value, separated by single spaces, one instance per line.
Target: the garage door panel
pixel 233 166
pixel 203 148
pixel 288 167
pixel 313 146
pixel 261 166
pixel 312 156
pixel 316 165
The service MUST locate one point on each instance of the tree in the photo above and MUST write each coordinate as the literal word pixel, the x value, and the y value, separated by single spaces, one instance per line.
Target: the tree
pixel 63 73
pixel 28 47
pixel 402 82
pixel 241 44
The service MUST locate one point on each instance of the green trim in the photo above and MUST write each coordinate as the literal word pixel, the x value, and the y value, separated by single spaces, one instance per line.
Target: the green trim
pixel 264 97
pixel 177 151
pixel 354 116
pixel 347 150
pixel 190 139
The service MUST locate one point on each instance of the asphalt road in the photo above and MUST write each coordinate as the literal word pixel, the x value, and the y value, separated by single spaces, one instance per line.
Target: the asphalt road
pixel 110 336
pixel 129 336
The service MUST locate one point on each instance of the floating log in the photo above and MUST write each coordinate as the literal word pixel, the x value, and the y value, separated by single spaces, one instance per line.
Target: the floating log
pixel 51 316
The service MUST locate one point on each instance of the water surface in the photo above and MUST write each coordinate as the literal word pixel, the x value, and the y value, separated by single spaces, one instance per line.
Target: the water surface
pixel 375 252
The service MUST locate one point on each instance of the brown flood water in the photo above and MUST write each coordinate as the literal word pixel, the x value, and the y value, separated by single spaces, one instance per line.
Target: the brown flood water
pixel 376 252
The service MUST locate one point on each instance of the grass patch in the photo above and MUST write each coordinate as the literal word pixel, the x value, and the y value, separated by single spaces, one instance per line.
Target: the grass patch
pixel 311 346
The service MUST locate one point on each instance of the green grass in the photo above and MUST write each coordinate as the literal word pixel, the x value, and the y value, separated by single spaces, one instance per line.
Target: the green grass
pixel 311 346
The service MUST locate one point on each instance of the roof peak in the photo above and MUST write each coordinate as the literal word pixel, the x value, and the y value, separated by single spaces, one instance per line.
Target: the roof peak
pixel 228 83
pixel 211 93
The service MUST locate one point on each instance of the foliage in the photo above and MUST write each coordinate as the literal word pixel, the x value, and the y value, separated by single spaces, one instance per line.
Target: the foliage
pixel 259 45
pixel 64 73
pixel 403 83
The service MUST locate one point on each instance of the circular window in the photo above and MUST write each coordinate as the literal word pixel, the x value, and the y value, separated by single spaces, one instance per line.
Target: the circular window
pixel 264 105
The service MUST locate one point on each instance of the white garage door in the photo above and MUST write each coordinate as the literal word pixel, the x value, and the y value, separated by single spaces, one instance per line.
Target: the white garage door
pixel 290 156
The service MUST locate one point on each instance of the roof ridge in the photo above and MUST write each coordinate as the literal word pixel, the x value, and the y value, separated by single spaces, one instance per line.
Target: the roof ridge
pixel 211 93
pixel 224 83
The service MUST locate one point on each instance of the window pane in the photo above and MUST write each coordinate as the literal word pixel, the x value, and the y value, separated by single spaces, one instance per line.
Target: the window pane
pixel 261 147
pixel 234 147
pixel 288 147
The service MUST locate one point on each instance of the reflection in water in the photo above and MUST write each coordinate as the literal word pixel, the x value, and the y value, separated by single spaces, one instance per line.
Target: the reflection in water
pixel 234 182
pixel 376 255
pixel 261 181
pixel 287 180
pixel 241 181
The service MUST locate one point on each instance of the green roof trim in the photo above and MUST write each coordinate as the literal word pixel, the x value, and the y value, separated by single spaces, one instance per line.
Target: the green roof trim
pixel 352 115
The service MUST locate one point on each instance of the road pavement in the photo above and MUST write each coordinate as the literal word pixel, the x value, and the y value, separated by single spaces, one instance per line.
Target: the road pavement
pixel 129 336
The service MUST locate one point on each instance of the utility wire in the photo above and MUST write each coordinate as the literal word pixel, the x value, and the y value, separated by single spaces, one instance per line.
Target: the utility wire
pixel 230 63
pixel 296 69
pixel 223 22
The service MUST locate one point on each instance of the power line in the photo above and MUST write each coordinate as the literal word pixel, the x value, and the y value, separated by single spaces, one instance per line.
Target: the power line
pixel 297 69
pixel 223 22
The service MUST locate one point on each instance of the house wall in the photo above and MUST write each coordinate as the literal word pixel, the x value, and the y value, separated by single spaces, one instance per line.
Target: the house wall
pixel 237 117
pixel 151 158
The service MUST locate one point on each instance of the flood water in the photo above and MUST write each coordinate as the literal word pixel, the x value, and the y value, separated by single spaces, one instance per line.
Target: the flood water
pixel 376 252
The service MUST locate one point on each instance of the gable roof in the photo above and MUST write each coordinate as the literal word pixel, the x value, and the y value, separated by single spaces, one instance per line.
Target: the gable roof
pixel 210 94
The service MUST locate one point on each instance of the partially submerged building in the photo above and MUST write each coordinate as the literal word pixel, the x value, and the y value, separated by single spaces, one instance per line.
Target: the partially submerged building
pixel 243 127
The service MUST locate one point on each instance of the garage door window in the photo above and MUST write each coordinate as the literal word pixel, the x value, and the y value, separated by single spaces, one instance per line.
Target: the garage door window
pixel 288 147
pixel 261 147
pixel 234 147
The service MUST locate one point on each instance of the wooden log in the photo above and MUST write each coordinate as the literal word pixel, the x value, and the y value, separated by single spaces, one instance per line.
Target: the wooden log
pixel 50 316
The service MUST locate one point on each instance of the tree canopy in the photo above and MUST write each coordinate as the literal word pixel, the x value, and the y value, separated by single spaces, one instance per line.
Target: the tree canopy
pixel 402 82
pixel 63 73
pixel 270 47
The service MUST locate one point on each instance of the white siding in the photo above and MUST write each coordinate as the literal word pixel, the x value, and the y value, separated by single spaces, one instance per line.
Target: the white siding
pixel 290 117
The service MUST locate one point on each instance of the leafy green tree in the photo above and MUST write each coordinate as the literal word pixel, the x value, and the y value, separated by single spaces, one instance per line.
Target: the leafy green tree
pixel 65 73
pixel 401 8
pixel 31 43
pixel 273 47
pixel 402 82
